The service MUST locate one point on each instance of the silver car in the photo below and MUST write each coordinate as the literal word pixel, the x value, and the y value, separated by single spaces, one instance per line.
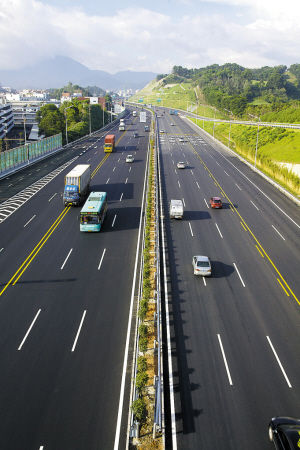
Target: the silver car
pixel 129 158
pixel 180 165
pixel 202 266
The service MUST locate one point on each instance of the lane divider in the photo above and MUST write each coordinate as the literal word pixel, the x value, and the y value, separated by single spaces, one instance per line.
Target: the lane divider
pixel 259 251
pixel 245 225
pixel 35 251
pixel 14 279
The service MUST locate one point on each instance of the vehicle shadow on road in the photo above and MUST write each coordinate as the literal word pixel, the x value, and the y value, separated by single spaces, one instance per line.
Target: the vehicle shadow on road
pixel 122 219
pixel 114 191
pixel 196 215
pixel 179 340
pixel 221 270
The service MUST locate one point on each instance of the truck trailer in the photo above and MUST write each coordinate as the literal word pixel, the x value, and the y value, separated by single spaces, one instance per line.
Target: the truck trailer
pixel 77 183
pixel 109 143
pixel 176 209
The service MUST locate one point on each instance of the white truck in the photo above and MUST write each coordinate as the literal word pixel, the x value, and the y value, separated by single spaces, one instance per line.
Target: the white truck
pixel 176 209
pixel 77 183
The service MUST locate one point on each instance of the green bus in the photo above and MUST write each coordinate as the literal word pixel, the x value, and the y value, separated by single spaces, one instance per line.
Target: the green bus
pixel 93 212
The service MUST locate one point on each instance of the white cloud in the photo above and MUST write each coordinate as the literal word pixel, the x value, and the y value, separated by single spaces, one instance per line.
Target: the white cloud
pixel 265 33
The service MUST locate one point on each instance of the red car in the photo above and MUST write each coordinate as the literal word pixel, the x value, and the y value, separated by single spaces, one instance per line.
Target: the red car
pixel 215 202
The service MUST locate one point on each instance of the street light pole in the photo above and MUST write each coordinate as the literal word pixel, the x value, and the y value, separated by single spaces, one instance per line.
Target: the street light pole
pixel 68 107
pixel 90 118
pixel 24 120
pixel 228 110
pixel 256 145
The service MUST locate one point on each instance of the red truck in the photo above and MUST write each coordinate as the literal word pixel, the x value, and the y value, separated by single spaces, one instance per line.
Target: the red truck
pixel 109 143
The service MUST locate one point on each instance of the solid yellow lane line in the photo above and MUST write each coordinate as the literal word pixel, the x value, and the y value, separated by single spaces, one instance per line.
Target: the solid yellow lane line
pixel 106 156
pixel 259 251
pixel 283 287
pixel 41 240
pixel 250 231
pixel 16 276
pixel 99 165
pixel 41 246
pixel 243 226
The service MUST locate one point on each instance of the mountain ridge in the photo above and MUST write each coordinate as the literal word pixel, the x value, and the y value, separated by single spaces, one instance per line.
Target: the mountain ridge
pixel 58 71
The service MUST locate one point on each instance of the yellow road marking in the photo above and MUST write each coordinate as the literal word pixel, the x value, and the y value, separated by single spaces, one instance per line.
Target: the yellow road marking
pixel 14 279
pixel 283 287
pixel 99 165
pixel 259 251
pixel 243 226
pixel 42 244
pixel 250 231
pixel 36 249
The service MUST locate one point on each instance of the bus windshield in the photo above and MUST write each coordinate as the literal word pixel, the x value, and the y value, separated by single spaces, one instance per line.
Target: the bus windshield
pixel 85 219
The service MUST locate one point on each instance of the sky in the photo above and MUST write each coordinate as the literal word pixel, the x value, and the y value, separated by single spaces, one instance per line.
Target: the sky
pixel 150 35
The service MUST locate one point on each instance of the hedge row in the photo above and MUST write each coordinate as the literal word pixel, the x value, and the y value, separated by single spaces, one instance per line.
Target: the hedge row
pixel 139 406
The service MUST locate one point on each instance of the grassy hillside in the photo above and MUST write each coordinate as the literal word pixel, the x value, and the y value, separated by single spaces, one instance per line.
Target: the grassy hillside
pixel 275 145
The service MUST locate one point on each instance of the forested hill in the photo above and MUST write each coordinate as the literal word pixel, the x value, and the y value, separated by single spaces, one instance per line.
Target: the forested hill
pixel 242 90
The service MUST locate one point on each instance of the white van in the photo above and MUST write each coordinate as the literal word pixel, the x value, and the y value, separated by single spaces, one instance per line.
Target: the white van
pixel 176 209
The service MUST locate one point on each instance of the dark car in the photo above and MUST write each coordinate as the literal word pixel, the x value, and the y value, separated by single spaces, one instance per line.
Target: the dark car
pixel 284 432
pixel 215 202
pixel 135 135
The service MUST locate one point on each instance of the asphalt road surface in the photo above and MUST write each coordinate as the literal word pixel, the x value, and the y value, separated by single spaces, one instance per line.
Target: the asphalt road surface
pixel 235 336
pixel 65 299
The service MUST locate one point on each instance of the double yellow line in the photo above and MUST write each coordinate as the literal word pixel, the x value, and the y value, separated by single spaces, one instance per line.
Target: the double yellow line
pixel 106 156
pixel 99 165
pixel 258 245
pixel 35 251
pixel 14 279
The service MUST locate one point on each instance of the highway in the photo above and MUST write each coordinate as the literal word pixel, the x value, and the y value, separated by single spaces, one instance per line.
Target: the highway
pixel 235 336
pixel 65 299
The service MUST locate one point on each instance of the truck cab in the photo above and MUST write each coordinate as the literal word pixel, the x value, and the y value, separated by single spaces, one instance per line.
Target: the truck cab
pixel 71 195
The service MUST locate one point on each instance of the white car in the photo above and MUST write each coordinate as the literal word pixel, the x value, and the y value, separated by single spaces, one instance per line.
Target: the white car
pixel 172 124
pixel 180 165
pixel 181 139
pixel 162 131
pixel 202 266
pixel 129 158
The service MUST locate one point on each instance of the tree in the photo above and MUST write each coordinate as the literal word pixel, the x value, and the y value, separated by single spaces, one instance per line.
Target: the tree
pixel 50 120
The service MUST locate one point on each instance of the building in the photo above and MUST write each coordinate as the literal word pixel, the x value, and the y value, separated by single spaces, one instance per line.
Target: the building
pixel 65 97
pixel 27 95
pixel 6 119
pixel 23 114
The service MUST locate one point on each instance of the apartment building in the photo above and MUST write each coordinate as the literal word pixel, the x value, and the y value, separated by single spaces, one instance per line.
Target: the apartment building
pixel 6 119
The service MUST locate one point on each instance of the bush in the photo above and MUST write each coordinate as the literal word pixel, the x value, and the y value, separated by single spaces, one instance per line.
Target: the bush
pixel 141 380
pixel 143 344
pixel 141 364
pixel 146 269
pixel 143 330
pixel 143 309
pixel 139 409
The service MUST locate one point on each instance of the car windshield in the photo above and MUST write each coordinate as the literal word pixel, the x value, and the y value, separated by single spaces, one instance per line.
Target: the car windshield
pixel 202 264
pixel 217 201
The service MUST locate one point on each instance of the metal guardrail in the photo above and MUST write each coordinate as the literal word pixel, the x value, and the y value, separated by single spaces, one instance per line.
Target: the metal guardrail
pixel 234 122
pixel 158 384
pixel 28 162
pixel 157 419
